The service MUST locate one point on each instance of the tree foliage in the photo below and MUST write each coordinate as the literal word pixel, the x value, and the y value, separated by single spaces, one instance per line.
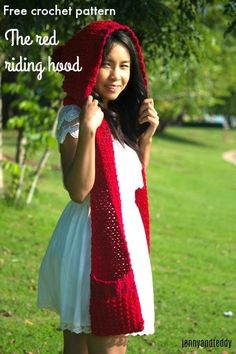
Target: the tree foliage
pixel 188 46
pixel 204 83
pixel 36 108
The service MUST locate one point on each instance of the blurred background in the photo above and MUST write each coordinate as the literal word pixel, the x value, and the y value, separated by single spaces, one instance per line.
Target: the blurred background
pixel 189 48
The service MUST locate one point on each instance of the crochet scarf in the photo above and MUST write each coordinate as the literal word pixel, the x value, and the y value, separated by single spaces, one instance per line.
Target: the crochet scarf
pixel 114 302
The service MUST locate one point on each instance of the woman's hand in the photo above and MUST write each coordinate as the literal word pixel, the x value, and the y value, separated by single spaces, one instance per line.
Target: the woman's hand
pixel 91 116
pixel 147 113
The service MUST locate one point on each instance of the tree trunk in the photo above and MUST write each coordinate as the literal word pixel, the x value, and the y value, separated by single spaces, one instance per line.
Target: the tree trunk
pixel 20 137
pixel 179 118
pixel 20 182
pixel 40 167
pixel 1 141
pixel 163 125
pixel 21 148
pixel 22 164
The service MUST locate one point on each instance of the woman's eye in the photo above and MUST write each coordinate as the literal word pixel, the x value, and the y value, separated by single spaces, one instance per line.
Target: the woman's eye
pixel 105 64
pixel 125 66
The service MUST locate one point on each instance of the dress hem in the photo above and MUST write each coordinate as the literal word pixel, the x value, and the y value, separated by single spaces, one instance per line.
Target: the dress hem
pixel 87 329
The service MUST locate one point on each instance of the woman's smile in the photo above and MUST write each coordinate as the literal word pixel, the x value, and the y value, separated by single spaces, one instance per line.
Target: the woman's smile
pixel 113 88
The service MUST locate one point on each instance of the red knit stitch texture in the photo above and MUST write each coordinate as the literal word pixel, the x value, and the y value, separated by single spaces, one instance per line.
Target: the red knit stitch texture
pixel 114 297
pixel 141 199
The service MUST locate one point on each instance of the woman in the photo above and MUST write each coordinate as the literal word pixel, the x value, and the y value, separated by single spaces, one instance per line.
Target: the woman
pixel 96 272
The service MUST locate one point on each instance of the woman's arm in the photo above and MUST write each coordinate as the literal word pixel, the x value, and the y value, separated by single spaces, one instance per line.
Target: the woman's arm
pixel 145 150
pixel 147 113
pixel 78 155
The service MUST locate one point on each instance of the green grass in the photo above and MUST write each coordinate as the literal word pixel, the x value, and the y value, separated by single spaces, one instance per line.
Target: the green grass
pixel 193 206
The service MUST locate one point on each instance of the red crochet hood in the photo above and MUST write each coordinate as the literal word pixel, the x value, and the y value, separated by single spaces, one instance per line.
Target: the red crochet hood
pixel 88 45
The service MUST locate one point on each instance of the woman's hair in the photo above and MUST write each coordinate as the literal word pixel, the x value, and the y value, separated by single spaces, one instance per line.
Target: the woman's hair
pixel 122 113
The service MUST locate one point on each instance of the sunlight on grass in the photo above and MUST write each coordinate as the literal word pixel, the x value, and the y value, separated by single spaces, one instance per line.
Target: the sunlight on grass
pixel 192 193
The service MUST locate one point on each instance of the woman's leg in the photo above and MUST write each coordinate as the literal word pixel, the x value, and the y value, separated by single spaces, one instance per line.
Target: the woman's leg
pixel 106 345
pixel 74 343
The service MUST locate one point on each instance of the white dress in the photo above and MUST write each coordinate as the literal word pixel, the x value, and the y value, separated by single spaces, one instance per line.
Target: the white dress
pixel 64 277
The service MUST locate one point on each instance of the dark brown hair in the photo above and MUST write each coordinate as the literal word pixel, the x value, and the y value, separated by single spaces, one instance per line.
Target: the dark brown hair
pixel 122 113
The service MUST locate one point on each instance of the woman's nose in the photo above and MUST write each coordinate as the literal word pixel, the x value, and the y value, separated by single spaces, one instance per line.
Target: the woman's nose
pixel 115 73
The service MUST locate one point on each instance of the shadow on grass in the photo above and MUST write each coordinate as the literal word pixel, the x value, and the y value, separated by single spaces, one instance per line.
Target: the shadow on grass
pixel 180 139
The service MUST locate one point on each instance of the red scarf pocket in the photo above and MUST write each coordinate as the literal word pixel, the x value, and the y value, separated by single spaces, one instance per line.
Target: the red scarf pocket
pixel 115 307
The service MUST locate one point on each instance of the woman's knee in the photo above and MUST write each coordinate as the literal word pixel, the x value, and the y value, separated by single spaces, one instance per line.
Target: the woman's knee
pixel 75 343
pixel 107 344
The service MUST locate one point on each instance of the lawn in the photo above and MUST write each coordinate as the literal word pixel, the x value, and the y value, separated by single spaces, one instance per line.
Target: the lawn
pixel 192 193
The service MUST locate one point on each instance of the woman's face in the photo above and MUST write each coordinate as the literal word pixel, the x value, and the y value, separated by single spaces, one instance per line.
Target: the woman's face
pixel 114 73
